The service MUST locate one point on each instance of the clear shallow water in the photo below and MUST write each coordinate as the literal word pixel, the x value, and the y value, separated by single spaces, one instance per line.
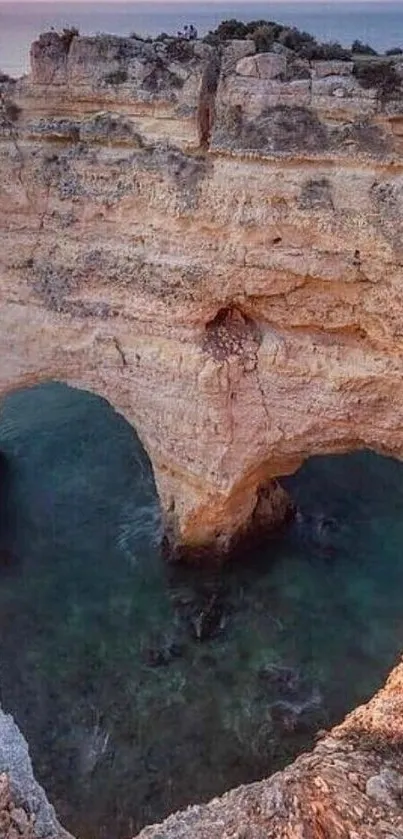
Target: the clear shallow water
pixel 380 23
pixel 130 714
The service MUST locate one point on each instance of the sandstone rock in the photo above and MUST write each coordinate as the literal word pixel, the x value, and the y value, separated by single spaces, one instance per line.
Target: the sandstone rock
pixel 49 59
pixel 5 794
pixel 232 52
pixel 25 812
pixel 155 81
pixel 321 69
pixel 20 819
pixel 262 66
pixel 386 788
pixel 239 301
pixel 219 256
pixel 247 67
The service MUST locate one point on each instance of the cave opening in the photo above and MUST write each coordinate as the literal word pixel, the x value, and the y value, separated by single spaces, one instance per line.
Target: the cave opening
pixel 121 670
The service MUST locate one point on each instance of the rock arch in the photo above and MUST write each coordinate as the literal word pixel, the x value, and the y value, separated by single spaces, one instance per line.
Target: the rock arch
pixel 223 404
pixel 234 292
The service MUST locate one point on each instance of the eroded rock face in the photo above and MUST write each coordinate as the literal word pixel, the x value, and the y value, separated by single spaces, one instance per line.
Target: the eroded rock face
pixel 213 242
pixel 25 812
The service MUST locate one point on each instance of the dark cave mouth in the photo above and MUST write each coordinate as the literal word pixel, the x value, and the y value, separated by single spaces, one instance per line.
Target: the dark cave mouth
pixel 120 669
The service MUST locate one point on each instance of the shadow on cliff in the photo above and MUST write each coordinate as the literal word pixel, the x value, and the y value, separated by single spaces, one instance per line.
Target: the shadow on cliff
pixel 9 561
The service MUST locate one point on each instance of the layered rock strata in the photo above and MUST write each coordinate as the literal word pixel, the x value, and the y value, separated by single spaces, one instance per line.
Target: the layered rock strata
pixel 211 240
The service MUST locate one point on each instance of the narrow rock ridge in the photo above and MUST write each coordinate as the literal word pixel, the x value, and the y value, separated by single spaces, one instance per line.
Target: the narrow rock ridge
pixel 158 200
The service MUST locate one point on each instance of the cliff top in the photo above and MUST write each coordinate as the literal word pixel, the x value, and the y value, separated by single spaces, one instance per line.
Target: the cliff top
pixel 261 36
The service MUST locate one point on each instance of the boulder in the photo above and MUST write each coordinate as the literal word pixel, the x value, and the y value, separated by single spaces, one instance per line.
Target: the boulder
pixel 266 65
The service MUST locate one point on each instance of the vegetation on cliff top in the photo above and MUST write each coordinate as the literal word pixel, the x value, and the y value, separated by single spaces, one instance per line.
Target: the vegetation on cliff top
pixel 370 69
pixel 381 75
pixel 267 33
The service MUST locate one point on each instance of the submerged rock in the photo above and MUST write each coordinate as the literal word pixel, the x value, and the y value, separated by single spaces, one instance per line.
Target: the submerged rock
pixel 160 656
pixel 285 680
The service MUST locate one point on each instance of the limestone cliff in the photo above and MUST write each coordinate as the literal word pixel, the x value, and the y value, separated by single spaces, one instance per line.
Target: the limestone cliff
pixel 212 240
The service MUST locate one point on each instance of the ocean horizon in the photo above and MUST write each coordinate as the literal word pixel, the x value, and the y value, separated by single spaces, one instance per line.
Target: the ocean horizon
pixel 21 23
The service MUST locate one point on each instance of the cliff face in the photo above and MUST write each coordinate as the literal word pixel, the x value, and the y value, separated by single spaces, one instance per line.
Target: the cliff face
pixel 25 812
pixel 212 240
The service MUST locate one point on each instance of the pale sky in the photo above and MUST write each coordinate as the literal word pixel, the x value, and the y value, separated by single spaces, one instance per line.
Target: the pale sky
pixel 234 3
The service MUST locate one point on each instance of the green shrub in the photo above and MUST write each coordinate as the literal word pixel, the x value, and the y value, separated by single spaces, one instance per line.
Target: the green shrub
pixel 359 48
pixel 381 75
pixel 295 40
pixel 266 33
pixel 229 30
pixel 326 52
pixel 263 36
pixel 11 111
pixel 179 50
pixel 116 77
pixel 67 36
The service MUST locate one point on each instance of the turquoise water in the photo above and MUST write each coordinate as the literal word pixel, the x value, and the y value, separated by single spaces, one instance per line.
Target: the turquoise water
pixel 143 687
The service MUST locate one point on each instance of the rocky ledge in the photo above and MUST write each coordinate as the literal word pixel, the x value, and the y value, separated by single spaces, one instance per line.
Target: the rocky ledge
pixel 210 238
pixel 25 812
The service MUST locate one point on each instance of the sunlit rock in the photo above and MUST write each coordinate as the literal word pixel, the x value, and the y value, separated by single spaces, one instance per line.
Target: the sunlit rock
pixel 148 188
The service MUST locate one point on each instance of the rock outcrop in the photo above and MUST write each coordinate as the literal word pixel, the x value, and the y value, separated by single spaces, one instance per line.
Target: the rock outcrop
pixel 212 240
pixel 351 785
pixel 25 812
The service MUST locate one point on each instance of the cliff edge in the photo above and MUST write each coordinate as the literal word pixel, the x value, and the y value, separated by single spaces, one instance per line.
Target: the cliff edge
pixel 25 812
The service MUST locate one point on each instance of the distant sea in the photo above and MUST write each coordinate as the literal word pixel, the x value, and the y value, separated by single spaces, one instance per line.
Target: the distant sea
pixel 379 23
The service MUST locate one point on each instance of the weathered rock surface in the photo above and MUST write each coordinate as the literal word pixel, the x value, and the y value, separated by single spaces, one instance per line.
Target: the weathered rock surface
pixel 213 242
pixel 349 787
pixel 25 812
